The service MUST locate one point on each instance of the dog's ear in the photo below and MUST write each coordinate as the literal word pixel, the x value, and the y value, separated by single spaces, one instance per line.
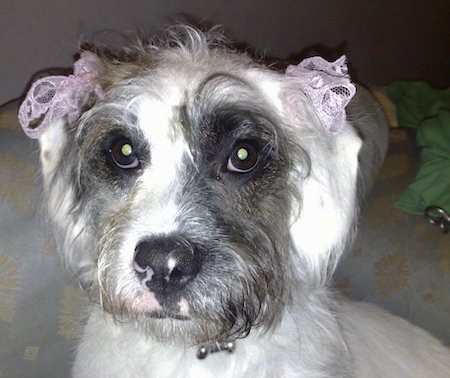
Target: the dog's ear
pixel 314 103
pixel 51 112
pixel 54 104
pixel 322 227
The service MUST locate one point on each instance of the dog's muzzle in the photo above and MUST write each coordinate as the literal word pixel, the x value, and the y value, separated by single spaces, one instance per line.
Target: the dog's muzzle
pixel 166 264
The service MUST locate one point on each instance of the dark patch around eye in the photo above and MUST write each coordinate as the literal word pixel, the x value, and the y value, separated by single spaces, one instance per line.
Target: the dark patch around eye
pixel 124 154
pixel 99 167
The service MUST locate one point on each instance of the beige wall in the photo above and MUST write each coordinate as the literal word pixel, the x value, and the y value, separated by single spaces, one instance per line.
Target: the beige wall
pixel 384 40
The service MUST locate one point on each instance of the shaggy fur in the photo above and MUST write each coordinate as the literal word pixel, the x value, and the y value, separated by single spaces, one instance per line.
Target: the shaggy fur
pixel 240 257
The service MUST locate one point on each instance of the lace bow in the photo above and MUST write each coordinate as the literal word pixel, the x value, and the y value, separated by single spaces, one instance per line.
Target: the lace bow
pixel 54 97
pixel 328 86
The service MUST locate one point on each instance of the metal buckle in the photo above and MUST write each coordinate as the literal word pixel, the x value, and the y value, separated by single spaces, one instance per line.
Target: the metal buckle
pixel 438 216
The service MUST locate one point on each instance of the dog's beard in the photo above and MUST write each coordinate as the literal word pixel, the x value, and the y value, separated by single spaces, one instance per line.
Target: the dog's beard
pixel 243 285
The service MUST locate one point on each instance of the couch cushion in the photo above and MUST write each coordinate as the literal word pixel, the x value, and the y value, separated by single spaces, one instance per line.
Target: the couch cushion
pixel 399 260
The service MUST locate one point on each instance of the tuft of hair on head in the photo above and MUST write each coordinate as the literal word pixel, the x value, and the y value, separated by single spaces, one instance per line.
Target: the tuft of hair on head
pixel 191 38
pixel 182 40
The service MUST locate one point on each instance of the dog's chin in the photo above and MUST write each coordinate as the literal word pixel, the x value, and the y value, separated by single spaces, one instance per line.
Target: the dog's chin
pixel 172 328
pixel 168 324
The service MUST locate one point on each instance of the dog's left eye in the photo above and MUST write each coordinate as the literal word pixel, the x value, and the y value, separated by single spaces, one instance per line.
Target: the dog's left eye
pixel 243 157
pixel 123 154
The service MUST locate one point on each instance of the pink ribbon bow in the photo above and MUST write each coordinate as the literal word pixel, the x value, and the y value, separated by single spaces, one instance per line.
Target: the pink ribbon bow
pixel 328 86
pixel 54 97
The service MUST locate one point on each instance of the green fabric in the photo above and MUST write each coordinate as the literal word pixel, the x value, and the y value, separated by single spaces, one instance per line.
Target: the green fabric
pixel 428 110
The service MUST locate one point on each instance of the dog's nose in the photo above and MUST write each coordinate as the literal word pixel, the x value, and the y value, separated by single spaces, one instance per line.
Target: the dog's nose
pixel 166 264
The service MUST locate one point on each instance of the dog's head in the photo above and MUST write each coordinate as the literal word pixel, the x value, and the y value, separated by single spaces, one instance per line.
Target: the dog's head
pixel 192 187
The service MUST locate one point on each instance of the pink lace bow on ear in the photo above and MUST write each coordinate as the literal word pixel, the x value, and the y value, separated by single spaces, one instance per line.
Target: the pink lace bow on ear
pixel 328 86
pixel 55 97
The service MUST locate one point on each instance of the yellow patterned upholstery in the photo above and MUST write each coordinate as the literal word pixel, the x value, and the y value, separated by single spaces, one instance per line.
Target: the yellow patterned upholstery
pixel 40 308
pixel 399 260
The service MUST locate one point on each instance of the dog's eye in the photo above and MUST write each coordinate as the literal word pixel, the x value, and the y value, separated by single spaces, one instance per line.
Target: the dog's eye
pixel 243 157
pixel 123 154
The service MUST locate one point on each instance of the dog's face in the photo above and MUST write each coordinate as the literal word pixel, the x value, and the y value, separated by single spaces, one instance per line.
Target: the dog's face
pixel 192 199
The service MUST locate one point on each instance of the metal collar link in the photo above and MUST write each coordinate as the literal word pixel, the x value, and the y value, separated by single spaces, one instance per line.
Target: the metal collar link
pixel 438 216
pixel 225 346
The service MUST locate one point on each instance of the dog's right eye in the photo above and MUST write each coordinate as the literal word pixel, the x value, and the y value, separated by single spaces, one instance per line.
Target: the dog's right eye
pixel 123 154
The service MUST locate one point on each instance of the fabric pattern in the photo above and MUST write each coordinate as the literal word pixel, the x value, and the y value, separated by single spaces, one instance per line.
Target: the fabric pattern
pixel 54 97
pixel 328 87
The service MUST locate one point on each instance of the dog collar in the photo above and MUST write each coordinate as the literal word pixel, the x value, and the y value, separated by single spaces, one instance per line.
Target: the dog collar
pixel 224 346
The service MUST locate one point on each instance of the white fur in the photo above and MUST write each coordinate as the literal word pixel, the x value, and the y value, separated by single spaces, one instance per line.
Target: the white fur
pixel 377 343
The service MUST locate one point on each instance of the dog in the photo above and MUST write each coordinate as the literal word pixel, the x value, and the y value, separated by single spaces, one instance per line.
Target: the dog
pixel 203 200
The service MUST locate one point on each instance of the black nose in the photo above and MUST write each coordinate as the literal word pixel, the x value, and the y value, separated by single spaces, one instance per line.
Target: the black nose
pixel 166 264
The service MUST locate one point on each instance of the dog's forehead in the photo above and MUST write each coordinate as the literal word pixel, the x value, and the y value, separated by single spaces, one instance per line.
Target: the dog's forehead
pixel 159 122
pixel 175 83
pixel 168 101
pixel 158 116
